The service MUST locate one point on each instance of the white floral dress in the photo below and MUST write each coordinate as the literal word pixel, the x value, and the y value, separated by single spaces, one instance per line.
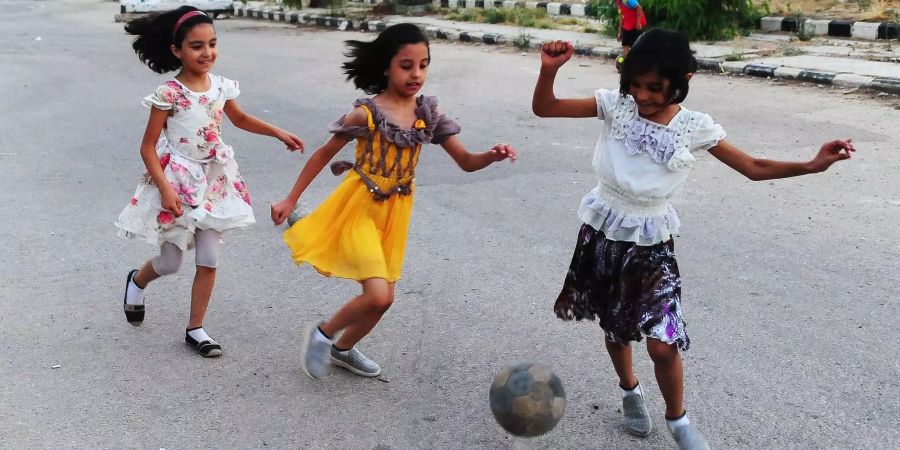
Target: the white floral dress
pixel 197 163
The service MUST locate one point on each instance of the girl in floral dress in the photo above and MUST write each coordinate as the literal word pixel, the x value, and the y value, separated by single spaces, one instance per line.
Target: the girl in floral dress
pixel 192 191
pixel 623 272
pixel 359 232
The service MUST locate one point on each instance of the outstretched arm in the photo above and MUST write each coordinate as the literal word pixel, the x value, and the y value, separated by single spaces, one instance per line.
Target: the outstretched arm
pixel 471 162
pixel 314 165
pixel 246 122
pixel 544 102
pixel 758 169
pixel 322 156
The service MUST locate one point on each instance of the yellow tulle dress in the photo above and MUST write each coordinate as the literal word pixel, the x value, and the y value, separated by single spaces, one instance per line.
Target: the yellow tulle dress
pixel 359 232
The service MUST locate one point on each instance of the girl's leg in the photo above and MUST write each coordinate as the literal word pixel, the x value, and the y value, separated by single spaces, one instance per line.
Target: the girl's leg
pixel 207 259
pixel 206 244
pixel 621 359
pixel 669 375
pixel 356 319
pixel 167 263
pixel 634 411
pixel 359 329
pixel 362 312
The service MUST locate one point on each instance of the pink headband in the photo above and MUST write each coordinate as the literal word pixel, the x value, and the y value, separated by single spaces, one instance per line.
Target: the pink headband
pixel 184 18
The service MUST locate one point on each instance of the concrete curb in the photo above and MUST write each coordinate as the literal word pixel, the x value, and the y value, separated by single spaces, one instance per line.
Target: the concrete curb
pixel 841 80
pixel 837 28
pixel 553 8
pixel 523 41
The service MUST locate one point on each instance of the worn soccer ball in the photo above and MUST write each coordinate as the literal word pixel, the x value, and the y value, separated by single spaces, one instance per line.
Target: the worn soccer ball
pixel 527 399
pixel 300 211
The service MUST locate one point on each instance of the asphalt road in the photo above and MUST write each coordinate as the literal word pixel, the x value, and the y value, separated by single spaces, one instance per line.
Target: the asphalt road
pixel 790 287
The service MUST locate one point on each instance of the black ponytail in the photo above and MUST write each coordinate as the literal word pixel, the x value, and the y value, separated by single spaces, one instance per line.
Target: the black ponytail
pixel 155 36
pixel 369 60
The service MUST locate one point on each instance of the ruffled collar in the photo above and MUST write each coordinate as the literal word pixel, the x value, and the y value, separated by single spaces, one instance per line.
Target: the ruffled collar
pixel 422 132
pixel 665 144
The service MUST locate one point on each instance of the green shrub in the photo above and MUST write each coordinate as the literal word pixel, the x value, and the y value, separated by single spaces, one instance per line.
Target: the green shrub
pixel 699 19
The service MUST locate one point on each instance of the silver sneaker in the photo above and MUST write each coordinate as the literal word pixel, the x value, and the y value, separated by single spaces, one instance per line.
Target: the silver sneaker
pixel 354 361
pixel 688 437
pixel 637 419
pixel 314 353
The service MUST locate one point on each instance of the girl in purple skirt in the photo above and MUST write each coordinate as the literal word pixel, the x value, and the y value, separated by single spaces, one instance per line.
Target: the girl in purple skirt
pixel 623 273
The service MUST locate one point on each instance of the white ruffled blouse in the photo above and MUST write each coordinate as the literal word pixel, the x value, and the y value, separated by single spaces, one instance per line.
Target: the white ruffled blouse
pixel 641 165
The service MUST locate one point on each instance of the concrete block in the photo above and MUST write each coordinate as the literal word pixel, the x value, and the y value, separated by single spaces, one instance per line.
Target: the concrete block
pixel 865 30
pixel 771 23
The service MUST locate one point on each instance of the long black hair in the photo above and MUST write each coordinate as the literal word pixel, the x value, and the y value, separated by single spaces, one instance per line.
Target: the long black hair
pixel 369 60
pixel 156 34
pixel 667 52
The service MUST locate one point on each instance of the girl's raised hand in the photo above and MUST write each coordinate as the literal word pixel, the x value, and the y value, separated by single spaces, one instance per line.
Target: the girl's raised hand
pixel 830 153
pixel 290 140
pixel 281 211
pixel 500 152
pixel 556 53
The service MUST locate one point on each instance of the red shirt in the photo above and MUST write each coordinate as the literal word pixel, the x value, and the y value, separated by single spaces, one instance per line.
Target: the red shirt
pixel 629 16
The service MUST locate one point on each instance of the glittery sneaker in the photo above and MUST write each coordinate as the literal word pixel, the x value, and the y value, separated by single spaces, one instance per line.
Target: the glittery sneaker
pixel 314 352
pixel 688 437
pixel 637 419
pixel 354 361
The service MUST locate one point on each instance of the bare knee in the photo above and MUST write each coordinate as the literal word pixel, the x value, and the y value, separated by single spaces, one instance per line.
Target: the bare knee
pixel 662 353
pixel 379 301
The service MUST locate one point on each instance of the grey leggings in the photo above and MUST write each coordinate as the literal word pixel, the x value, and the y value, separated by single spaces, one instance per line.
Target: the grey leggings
pixel 206 247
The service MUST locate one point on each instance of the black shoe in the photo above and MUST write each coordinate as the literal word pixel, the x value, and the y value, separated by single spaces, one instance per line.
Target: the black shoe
pixel 206 349
pixel 133 313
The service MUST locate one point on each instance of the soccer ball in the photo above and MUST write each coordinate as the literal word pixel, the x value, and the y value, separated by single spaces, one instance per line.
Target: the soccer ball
pixel 527 399
pixel 300 211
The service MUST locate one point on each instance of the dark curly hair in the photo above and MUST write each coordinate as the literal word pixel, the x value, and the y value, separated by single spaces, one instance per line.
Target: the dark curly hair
pixel 155 35
pixel 667 52
pixel 369 60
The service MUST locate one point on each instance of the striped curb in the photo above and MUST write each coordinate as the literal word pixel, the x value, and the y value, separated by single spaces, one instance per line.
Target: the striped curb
pixel 554 8
pixel 836 28
pixel 889 85
pixel 841 80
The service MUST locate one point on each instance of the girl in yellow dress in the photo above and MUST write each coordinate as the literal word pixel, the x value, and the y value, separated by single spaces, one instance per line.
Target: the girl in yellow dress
pixel 359 232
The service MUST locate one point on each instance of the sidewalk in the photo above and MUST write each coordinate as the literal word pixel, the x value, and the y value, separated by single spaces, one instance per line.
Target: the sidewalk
pixel 841 63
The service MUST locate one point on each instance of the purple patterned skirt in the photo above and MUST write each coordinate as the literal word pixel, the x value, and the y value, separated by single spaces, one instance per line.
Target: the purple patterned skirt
pixel 633 290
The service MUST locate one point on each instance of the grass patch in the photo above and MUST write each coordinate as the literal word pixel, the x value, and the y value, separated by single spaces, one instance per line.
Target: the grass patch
pixel 530 18
pixel 522 41
pixel 794 51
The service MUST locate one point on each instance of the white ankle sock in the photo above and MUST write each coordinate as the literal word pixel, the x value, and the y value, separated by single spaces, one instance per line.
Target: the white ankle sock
pixel 679 422
pixel 635 391
pixel 133 294
pixel 199 335
pixel 319 336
